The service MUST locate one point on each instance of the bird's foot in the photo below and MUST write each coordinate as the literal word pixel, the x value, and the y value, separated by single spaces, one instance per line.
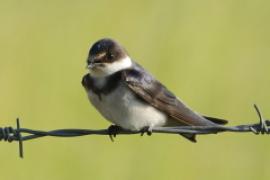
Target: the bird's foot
pixel 113 130
pixel 147 130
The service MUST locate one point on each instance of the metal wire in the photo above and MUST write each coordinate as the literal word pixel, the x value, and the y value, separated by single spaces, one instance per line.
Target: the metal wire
pixel 10 134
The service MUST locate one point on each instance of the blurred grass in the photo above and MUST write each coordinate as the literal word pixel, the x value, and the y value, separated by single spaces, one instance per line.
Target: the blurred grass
pixel 213 54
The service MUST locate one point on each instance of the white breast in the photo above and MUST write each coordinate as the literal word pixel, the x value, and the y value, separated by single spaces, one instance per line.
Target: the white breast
pixel 123 108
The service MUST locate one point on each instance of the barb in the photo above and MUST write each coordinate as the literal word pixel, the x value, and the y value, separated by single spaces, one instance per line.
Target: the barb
pixel 9 134
pixel 19 136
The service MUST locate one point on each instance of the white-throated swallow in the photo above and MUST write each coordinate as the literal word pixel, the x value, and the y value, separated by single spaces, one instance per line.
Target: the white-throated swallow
pixel 130 97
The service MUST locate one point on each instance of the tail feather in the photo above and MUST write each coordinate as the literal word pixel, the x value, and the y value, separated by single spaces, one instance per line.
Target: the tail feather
pixel 216 120
pixel 190 137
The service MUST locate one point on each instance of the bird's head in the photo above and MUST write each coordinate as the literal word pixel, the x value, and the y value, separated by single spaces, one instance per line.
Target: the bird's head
pixel 107 57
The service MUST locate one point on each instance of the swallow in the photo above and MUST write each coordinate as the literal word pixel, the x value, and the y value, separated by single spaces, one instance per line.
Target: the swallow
pixel 130 97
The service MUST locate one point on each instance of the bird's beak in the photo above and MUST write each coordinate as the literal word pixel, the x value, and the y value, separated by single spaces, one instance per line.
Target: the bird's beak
pixel 90 63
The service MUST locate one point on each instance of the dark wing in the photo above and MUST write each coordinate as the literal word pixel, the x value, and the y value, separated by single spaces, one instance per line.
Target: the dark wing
pixel 153 92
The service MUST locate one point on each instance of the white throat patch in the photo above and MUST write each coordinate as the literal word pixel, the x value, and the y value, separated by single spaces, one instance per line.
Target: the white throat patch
pixel 111 68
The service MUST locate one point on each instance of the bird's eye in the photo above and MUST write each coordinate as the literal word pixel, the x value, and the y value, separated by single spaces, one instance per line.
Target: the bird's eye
pixel 110 56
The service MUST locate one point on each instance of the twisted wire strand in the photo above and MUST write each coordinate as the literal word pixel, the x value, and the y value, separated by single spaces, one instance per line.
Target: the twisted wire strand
pixel 10 134
pixel 7 134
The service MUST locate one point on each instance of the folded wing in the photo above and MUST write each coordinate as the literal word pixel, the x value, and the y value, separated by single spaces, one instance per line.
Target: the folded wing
pixel 153 92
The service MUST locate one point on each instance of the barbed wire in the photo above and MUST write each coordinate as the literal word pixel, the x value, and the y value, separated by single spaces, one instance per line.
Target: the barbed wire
pixel 10 134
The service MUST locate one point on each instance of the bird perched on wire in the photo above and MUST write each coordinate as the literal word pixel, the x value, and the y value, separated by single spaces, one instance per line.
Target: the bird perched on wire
pixel 130 97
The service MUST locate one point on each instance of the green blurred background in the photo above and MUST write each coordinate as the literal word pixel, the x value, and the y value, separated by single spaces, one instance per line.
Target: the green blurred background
pixel 215 55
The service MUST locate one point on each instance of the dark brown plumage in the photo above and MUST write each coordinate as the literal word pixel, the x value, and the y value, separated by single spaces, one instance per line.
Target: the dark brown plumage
pixel 154 93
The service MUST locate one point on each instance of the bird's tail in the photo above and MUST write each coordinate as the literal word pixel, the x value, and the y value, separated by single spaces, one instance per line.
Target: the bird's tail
pixel 216 120
pixel 192 137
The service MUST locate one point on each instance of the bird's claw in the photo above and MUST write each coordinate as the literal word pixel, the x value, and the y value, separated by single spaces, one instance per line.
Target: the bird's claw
pixel 113 130
pixel 147 130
